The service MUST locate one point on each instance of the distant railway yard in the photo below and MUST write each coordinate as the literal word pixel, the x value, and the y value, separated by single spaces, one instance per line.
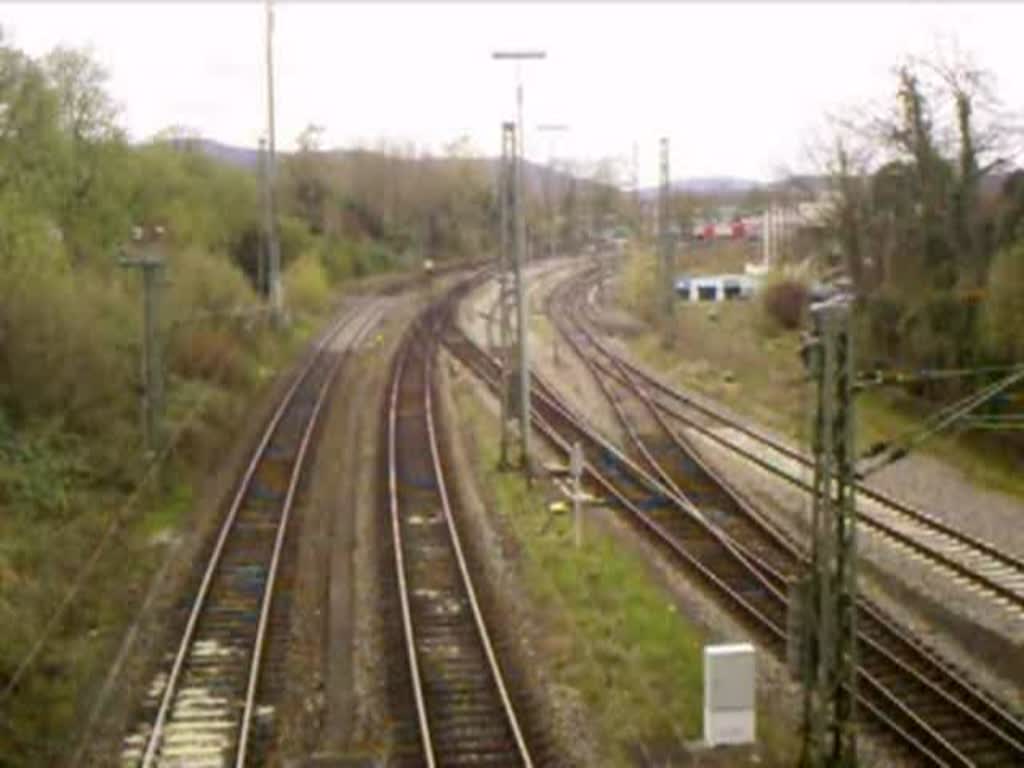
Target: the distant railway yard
pixel 374 393
pixel 376 589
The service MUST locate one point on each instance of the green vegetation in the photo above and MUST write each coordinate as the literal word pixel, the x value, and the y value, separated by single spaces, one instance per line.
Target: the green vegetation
pixel 72 190
pixel 740 355
pixel 734 352
pixel 931 238
pixel 609 632
pixel 1003 315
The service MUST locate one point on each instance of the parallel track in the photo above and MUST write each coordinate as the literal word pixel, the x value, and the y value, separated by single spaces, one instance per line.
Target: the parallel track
pixel 928 706
pixel 992 572
pixel 213 702
pixel 463 709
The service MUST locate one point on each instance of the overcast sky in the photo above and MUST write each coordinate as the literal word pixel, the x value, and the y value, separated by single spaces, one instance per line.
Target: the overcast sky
pixel 740 88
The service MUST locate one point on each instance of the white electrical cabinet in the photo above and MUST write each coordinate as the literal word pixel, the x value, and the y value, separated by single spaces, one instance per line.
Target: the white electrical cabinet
pixel 729 694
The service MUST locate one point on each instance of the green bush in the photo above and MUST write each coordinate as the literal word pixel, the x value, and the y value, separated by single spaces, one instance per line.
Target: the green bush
pixel 1002 315
pixel 639 279
pixel 203 285
pixel 339 258
pixel 66 346
pixel 306 286
pixel 296 239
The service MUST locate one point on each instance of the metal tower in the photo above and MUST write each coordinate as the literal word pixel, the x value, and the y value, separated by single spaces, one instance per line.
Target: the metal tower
pixel 829 631
pixel 510 287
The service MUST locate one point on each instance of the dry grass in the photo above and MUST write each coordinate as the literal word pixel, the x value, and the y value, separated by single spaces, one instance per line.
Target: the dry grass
pixel 734 353
pixel 725 351
pixel 715 257
pixel 610 634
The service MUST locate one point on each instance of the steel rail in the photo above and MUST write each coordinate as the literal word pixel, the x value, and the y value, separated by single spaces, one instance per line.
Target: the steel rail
pixel 1006 721
pixel 370 318
pixel 155 737
pixel 481 627
pixel 939 743
pixel 663 537
pixel 622 371
pixel 403 588
pixel 961 546
pixel 771 583
pixel 734 422
pixel 432 753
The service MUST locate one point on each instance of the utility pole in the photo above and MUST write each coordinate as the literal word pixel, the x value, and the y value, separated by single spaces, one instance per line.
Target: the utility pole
pixel 264 247
pixel 519 57
pixel 522 322
pixel 665 243
pixel 276 291
pixel 151 369
pixel 506 284
pixel 828 644
pixel 519 264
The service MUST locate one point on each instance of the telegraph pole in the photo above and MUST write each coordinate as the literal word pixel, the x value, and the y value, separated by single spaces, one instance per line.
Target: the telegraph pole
pixel 275 288
pixel 151 369
pixel 519 263
pixel 264 248
pixel 828 658
pixel 506 286
pixel 522 322
pixel 665 242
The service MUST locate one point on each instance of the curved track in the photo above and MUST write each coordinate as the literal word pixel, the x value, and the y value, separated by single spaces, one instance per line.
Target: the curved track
pixel 212 703
pixel 464 712
pixel 927 705
pixel 990 571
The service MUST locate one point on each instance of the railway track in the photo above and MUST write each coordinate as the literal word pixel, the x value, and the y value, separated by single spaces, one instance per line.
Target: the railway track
pixel 212 702
pixel 464 713
pixel 929 707
pixel 989 571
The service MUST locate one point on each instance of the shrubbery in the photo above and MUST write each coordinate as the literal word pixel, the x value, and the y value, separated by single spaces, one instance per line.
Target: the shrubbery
pixel 306 284
pixel 785 301
pixel 1002 316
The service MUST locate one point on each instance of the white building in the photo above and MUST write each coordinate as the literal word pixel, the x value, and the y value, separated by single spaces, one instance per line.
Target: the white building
pixel 716 287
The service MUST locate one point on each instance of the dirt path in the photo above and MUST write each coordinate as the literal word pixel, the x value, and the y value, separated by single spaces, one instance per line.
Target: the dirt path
pixel 326 703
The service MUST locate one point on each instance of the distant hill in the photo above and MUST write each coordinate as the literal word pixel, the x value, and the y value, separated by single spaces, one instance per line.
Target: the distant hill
pixel 240 157
pixel 709 186
pixel 535 175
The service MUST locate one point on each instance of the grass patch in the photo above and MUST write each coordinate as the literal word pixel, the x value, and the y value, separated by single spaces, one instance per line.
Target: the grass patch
pixel 729 351
pixel 611 634
pixel 609 631
pixel 168 511
pixel 616 639
pixel 732 356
